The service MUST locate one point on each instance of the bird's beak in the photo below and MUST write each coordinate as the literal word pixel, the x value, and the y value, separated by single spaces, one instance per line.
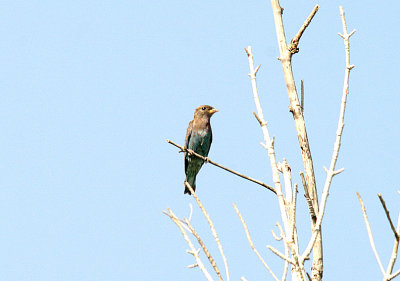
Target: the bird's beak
pixel 212 111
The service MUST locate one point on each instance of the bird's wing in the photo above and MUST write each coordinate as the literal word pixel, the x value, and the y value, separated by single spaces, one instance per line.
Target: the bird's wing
pixel 187 139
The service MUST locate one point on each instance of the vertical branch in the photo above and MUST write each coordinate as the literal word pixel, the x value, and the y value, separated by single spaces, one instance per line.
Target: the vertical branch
pixel 336 147
pixel 214 232
pixel 285 169
pixel 269 144
pixel 371 238
pixel 302 96
pixel 295 108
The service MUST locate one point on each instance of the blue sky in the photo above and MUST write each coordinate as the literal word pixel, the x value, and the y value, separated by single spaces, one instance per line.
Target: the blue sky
pixel 90 91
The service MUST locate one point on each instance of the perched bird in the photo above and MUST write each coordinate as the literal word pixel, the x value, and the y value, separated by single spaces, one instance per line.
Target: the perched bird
pixel 198 138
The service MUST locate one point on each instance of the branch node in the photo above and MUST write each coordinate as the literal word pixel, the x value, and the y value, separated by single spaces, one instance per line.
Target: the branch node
pixel 262 122
pixel 338 171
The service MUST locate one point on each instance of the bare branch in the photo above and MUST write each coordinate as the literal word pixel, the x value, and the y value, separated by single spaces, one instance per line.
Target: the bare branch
pixel 268 142
pixel 388 216
pixel 276 236
pixel 302 96
pixel 191 152
pixel 394 275
pixel 214 232
pixel 336 147
pixel 393 256
pixel 295 41
pixel 279 254
pixel 206 252
pixel 308 199
pixel 371 238
pixel 295 108
pixel 193 250
pixel 252 244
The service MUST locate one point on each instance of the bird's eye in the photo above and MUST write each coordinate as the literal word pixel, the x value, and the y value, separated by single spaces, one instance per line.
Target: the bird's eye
pixel 203 108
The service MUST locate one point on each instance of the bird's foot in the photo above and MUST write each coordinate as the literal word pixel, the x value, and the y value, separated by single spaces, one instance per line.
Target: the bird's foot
pixel 207 160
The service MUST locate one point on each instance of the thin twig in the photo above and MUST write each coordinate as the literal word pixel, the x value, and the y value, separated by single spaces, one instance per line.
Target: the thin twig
pixel 279 254
pixel 336 147
pixel 193 251
pixel 251 242
pixel 214 232
pixel 191 152
pixel 371 238
pixel 293 214
pixel 393 256
pixel 206 251
pixel 302 96
pixel 295 41
pixel 388 216
pixel 269 144
pixel 394 275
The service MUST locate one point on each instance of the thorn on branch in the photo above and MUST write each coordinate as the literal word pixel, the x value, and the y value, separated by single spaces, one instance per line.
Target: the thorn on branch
pixel 193 265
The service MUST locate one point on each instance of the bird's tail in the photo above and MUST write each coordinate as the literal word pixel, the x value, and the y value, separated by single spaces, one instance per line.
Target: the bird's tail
pixel 192 182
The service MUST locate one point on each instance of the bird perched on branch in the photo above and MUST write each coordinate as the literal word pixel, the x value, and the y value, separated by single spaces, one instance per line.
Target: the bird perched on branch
pixel 198 138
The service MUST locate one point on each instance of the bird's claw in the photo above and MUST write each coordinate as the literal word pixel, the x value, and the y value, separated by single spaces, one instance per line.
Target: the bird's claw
pixel 207 160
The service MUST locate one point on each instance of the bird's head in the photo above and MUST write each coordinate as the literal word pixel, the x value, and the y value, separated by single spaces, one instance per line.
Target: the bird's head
pixel 204 111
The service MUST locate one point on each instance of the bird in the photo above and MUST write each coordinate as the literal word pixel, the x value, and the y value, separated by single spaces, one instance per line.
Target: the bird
pixel 198 138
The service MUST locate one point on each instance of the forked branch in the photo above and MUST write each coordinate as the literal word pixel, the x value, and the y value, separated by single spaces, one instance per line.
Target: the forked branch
pixel 213 231
pixel 192 251
pixel 296 39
